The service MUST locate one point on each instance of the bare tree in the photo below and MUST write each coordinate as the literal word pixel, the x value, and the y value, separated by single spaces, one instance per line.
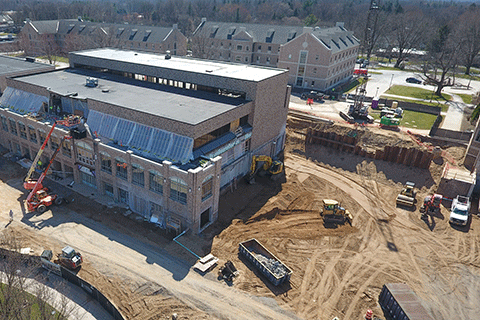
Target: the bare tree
pixel 20 274
pixel 202 47
pixel 468 30
pixel 408 31
pixel 441 58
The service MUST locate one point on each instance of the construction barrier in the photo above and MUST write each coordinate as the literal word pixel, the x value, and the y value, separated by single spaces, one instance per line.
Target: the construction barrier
pixel 67 275
pixel 348 142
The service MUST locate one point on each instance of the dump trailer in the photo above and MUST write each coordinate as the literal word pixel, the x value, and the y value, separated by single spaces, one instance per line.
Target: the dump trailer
pixel 407 197
pixel 399 302
pixel 269 265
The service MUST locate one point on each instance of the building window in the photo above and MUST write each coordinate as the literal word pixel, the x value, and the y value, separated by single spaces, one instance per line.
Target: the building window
pixel 108 189
pixel 246 147
pixel 246 59
pixel 269 49
pixel 13 126
pixel 247 48
pixel 289 56
pixel 207 186
pixel 268 59
pixel 238 59
pixel 317 57
pixel 4 123
pixel 32 133
pixel 67 148
pixel 42 135
pixel 123 196
pixel 138 177
pixel 259 48
pixel 178 190
pixel 303 57
pixel 54 142
pixel 106 162
pixel 258 58
pixel 239 48
pixel 85 153
pixel 23 130
pixel 121 168
pixel 156 182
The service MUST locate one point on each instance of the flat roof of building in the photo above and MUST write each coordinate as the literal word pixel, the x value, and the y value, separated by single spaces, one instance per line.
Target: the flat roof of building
pixel 199 66
pixel 12 65
pixel 183 105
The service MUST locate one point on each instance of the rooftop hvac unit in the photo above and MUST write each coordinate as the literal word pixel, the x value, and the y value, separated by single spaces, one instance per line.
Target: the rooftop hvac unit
pixel 91 82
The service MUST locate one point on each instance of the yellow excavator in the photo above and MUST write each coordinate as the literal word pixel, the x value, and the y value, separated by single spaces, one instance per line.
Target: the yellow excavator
pixel 270 167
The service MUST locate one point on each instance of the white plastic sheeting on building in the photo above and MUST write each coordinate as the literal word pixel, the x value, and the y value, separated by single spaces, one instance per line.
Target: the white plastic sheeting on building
pixel 21 101
pixel 142 139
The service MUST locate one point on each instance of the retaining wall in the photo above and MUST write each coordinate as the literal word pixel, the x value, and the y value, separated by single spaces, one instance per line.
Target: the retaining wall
pixel 414 157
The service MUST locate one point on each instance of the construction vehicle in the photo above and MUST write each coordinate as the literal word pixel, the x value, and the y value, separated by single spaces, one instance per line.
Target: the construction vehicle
pixel 460 211
pixel 270 167
pixel 228 271
pixel 431 203
pixel 30 184
pixel 389 122
pixel 358 110
pixel 332 212
pixel 39 199
pixel 407 197
pixel 69 258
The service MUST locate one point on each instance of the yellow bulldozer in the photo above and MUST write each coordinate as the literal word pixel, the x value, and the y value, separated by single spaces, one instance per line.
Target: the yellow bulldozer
pixel 407 197
pixel 270 167
pixel 333 213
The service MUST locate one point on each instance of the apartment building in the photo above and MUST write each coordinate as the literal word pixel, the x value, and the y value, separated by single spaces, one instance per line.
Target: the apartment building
pixel 51 36
pixel 165 134
pixel 317 58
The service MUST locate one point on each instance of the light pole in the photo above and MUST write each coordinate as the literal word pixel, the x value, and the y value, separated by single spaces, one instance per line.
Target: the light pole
pixel 376 93
pixel 391 82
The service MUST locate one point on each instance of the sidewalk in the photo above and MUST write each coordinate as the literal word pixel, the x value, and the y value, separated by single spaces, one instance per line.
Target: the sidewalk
pixel 62 294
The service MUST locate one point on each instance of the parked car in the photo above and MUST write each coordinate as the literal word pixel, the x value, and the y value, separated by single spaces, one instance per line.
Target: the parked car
pixel 460 211
pixel 413 80
pixel 315 95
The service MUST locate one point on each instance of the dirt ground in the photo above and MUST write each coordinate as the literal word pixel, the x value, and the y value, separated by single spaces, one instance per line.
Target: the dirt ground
pixel 336 271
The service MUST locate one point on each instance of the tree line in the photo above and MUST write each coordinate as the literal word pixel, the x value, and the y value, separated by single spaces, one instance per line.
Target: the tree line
pixel 448 32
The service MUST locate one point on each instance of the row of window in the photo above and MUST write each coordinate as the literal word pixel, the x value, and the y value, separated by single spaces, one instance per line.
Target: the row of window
pixel 178 187
pixel 240 47
pixel 32 134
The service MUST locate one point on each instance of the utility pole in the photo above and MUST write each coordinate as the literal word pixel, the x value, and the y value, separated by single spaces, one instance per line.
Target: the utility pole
pixel 371 28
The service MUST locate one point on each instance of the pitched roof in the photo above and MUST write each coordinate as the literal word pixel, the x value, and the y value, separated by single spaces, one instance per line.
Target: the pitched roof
pixel 45 26
pixel 262 33
pixel 336 38
pixel 121 31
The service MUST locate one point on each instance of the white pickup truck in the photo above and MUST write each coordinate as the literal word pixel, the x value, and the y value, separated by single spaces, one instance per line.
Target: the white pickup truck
pixel 460 211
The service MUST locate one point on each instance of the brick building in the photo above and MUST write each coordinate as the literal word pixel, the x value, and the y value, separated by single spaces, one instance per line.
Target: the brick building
pixel 42 37
pixel 165 134
pixel 317 58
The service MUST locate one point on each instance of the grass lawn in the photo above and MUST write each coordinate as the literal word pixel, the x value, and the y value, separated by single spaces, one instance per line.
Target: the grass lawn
pixel 57 58
pixel 427 103
pixel 31 310
pixel 411 119
pixel 467 98
pixel 418 93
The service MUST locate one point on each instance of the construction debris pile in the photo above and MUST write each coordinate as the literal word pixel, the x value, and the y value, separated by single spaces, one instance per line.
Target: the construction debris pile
pixel 275 266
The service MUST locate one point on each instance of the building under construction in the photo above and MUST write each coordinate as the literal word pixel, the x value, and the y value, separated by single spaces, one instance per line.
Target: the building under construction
pixel 164 134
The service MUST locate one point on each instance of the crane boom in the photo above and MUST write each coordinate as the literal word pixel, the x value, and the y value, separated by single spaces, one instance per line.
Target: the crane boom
pixel 38 184
pixel 39 154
